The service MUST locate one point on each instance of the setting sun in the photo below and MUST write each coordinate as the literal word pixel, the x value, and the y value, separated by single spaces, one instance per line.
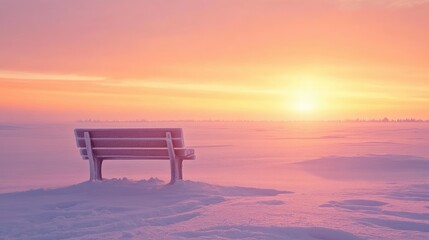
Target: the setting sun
pixel 304 104
pixel 306 95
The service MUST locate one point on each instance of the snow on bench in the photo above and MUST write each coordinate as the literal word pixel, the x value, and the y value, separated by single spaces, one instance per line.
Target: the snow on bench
pixel 97 145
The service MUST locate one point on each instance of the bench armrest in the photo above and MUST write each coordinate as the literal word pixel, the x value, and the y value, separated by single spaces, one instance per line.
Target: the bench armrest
pixel 189 154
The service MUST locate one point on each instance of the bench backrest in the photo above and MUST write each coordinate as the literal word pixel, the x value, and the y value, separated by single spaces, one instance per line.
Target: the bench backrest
pixel 131 143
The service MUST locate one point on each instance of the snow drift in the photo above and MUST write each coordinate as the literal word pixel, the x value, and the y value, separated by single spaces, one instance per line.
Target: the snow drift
pixel 110 209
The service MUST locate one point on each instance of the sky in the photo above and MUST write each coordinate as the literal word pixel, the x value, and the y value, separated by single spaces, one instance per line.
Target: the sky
pixel 66 60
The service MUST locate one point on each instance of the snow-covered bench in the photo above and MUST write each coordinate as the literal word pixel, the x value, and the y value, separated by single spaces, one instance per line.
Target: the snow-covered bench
pixel 97 145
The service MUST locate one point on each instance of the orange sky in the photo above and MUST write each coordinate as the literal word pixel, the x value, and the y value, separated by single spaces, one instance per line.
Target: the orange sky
pixel 223 59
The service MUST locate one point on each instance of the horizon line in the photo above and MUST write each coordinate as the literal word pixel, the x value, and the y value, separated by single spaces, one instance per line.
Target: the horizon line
pixel 250 120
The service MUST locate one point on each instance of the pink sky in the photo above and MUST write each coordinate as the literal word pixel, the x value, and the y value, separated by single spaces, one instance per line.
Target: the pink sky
pixel 239 59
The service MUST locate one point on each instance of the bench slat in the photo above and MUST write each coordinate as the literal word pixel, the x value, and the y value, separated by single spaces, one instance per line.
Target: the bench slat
pixel 116 157
pixel 137 152
pixel 128 143
pixel 129 132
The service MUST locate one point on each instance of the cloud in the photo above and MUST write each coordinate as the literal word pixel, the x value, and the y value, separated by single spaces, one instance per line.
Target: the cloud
pixel 46 76
pixel 205 87
pixel 385 3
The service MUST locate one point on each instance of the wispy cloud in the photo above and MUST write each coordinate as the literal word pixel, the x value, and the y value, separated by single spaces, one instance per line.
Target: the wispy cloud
pixel 202 87
pixel 386 3
pixel 14 75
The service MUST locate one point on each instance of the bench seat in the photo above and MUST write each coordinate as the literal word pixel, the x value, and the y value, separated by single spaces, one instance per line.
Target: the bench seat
pixel 133 153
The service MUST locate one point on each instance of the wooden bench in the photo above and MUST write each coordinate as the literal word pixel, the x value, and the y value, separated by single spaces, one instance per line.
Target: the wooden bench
pixel 97 145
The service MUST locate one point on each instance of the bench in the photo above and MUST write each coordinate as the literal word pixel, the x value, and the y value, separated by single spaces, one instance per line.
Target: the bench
pixel 97 145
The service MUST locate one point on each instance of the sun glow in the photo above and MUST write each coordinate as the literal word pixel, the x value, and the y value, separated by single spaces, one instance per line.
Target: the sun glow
pixel 306 97
pixel 304 104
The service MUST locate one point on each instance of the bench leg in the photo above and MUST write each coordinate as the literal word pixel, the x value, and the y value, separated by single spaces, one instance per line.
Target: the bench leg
pixel 180 167
pixel 92 174
pixel 95 169
pixel 173 160
pixel 172 170
pixel 98 165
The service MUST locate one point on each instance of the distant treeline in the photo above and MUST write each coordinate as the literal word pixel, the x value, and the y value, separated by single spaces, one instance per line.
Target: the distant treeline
pixel 386 120
pixel 193 120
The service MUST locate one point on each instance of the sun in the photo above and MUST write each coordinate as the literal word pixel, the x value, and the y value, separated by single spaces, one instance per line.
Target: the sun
pixel 307 97
pixel 304 102
pixel 304 105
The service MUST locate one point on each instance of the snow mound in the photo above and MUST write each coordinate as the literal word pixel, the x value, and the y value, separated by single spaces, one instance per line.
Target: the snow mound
pixel 368 167
pixel 272 233
pixel 396 225
pixel 413 192
pixel 271 202
pixel 152 187
pixel 355 204
pixel 8 127
pixel 111 209
pixel 380 217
